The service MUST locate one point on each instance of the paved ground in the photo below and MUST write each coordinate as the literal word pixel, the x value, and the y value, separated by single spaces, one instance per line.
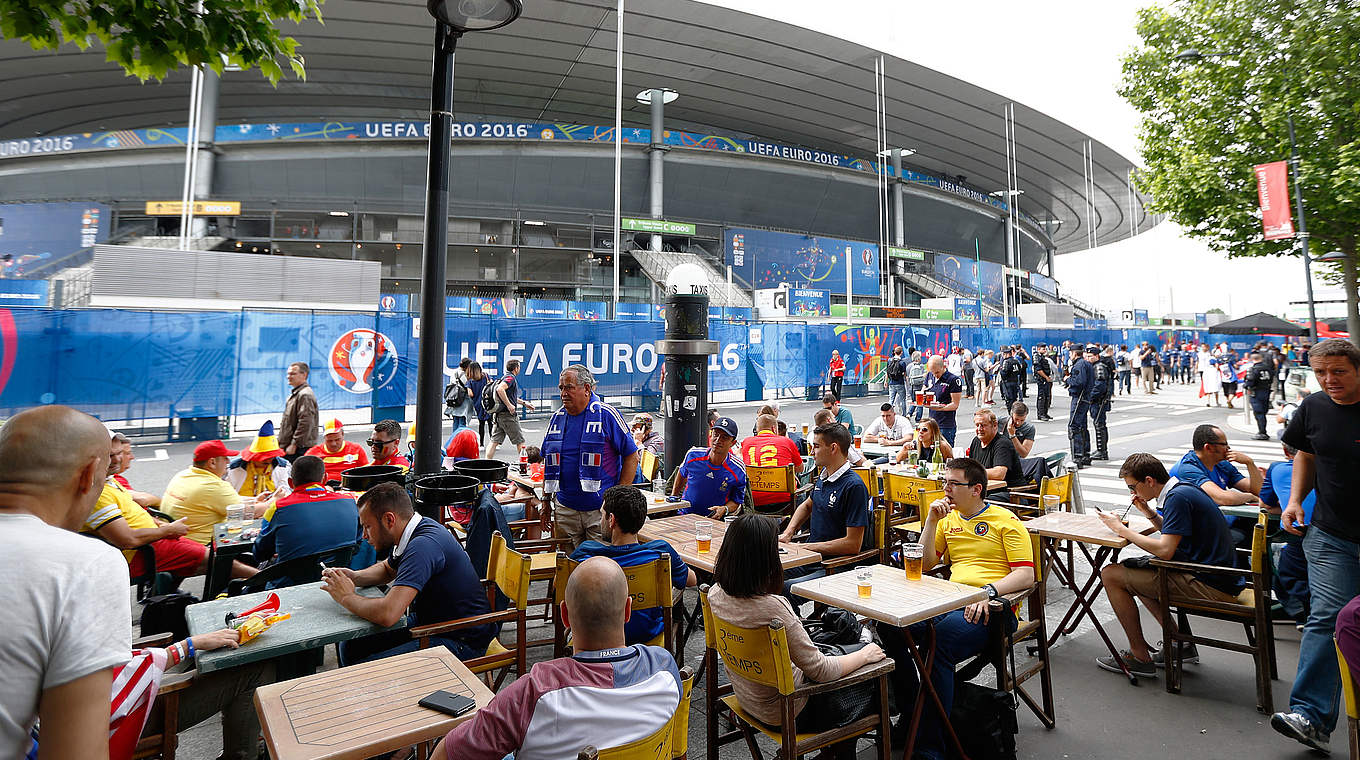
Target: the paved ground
pixel 1100 715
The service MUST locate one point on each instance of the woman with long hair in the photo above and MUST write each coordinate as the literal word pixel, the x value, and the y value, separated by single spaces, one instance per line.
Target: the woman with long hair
pixel 476 381
pixel 748 581
pixel 927 439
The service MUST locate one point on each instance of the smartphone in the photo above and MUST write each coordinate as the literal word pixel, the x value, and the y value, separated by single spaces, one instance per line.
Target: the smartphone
pixel 448 703
pixel 672 499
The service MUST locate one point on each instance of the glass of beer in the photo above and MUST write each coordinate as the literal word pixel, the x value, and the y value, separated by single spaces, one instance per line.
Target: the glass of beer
pixel 805 431
pixel 911 560
pixel 920 398
pixel 235 517
pixel 659 486
pixel 864 579
pixel 1051 503
pixel 703 535
pixel 859 441
pixel 930 397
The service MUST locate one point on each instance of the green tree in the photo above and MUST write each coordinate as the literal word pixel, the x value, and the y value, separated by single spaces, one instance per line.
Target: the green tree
pixel 152 39
pixel 1206 123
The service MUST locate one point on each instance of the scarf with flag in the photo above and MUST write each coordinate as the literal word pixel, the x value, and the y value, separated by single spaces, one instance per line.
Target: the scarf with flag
pixel 593 446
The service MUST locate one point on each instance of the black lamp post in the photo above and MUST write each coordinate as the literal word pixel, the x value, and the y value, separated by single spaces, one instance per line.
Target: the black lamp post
pixel 452 19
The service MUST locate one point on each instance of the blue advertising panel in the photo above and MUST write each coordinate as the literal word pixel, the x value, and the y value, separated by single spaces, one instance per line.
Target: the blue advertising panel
pixel 765 259
pixel 967 310
pixel 23 292
pixel 535 308
pixel 960 272
pixel 809 302
pixel 394 303
pixel 1140 317
pixel 730 313
pixel 588 310
pixel 1043 284
pixel 1079 323
pixel 1201 320
pixel 635 312
pixel 32 234
pixel 494 307
pixel 457 305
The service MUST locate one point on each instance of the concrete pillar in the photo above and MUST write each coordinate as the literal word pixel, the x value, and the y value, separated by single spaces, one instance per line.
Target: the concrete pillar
pixel 657 159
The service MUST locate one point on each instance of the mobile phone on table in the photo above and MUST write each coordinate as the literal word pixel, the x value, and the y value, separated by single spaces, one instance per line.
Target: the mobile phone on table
pixel 448 703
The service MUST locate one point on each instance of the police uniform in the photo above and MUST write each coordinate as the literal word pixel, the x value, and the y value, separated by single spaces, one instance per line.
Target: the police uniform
pixel 1011 368
pixel 1260 380
pixel 1079 387
pixel 1102 385
pixel 1044 387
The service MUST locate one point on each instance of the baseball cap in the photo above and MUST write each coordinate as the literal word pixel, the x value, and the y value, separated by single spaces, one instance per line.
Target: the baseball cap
pixel 725 424
pixel 209 449
pixel 334 426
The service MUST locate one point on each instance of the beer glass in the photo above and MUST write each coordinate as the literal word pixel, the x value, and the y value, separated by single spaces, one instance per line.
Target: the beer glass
pixel 911 560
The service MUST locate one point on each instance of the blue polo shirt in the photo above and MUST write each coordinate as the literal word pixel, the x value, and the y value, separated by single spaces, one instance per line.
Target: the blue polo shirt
pixel 839 501
pixel 1278 485
pixel 944 388
pixel 447 587
pixel 1188 512
pixel 1191 470
pixel 569 493
pixel 708 485
pixel 642 625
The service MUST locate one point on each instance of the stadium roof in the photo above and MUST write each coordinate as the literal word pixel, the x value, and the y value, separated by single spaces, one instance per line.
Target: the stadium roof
pixel 736 74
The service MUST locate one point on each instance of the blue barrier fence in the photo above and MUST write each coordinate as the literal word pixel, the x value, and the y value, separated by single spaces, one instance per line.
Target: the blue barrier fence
pixel 129 365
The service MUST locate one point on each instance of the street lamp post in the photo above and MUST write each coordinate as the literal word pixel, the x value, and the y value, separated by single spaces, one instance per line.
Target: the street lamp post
pixel 1192 55
pixel 453 18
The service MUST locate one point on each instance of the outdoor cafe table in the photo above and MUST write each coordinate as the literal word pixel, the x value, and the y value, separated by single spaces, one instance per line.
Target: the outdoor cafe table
pixel 898 602
pixel 365 710
pixel 224 548
pixel 656 503
pixel 316 621
pixel 1085 530
pixel 678 531
pixel 905 469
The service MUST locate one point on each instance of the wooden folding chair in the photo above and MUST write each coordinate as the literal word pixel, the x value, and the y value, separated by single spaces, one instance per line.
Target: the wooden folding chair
pixel 649 585
pixel 669 741
pixel 777 480
pixel 508 571
pixel 1352 702
pixel 763 654
pixel 1251 608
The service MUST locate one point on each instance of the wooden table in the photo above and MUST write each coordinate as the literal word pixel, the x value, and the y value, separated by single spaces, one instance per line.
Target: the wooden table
pixel 678 531
pixel 224 548
pixel 898 602
pixel 657 504
pixel 904 469
pixel 527 482
pixel 317 621
pixel 1084 530
pixel 364 710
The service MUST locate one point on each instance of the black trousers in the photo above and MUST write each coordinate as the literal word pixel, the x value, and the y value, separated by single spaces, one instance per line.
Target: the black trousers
pixel 1045 397
pixel 968 381
pixel 1260 404
pixel 1010 392
pixel 836 387
pixel 1077 432
pixel 1097 412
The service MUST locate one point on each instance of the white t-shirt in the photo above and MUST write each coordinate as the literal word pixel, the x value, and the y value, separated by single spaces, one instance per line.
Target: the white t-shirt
pixel 954 363
pixel 66 597
pixel 897 431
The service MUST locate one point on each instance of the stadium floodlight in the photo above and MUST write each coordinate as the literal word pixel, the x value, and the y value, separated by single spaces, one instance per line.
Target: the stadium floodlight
pixel 453 18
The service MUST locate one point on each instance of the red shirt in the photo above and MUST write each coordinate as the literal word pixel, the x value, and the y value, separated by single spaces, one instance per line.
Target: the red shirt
pixel 838 367
pixel 463 444
pixel 769 449
pixel 350 455
pixel 396 459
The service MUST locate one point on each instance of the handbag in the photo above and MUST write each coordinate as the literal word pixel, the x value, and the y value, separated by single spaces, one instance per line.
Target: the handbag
pixel 843 706
pixel 835 626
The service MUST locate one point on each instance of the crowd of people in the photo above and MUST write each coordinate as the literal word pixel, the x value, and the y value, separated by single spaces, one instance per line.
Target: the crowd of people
pixel 74 531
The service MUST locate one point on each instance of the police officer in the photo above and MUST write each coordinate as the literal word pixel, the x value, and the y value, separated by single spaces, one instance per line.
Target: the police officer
pixel 1043 380
pixel 1260 381
pixel 1079 388
pixel 1010 371
pixel 1022 356
pixel 1102 385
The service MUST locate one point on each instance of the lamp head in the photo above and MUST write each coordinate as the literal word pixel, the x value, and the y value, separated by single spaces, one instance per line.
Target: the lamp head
pixel 1190 55
pixel 475 15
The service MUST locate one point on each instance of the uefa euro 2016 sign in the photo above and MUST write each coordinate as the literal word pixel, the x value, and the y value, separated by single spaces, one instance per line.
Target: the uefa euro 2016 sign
pixel 362 361
pixel 767 259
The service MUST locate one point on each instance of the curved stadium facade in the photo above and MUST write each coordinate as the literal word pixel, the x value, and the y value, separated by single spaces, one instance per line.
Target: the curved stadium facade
pixel 773 131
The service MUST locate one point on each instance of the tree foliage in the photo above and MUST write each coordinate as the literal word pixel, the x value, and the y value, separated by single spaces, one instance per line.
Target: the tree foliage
pixel 1206 123
pixel 151 38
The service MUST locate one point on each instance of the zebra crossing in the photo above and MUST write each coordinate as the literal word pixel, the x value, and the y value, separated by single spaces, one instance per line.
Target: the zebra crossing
pixel 1101 483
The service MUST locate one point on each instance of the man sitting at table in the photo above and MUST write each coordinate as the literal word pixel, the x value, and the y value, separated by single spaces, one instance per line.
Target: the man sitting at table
pixel 624 512
pixel 837 510
pixel 995 452
pixel 1191 530
pixel 889 430
pixel 1209 466
pixel 1291 567
pixel 769 449
pixel 119 520
pixel 713 480
pixel 428 571
pixel 824 417
pixel 606 694
pixel 841 414
pixel 310 520
pixel 200 494
pixel 385 443
pixel 338 454
pixel 985 545
pixel 143 498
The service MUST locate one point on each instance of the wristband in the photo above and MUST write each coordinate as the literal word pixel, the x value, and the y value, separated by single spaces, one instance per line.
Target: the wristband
pixel 190 642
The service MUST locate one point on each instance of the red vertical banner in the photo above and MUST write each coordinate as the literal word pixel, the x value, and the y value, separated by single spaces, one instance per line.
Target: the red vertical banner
pixel 1272 186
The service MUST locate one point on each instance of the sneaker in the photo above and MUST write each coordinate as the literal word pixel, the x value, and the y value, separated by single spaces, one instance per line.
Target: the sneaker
pixel 1190 656
pixel 1301 730
pixel 1136 667
pixel 1260 437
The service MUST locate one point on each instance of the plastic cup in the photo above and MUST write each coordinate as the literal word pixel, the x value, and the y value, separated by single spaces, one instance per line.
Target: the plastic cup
pixel 659 486
pixel 1051 503
pixel 703 536
pixel 864 580
pixel 235 517
pixel 912 557
pixel 805 431
pixel 930 397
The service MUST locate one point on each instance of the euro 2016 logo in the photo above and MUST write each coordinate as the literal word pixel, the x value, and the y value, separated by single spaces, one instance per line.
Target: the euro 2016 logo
pixel 388 303
pixel 362 361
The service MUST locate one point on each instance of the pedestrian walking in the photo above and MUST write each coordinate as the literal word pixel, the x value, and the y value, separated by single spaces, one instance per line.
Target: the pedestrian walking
pixel 1260 382
pixel 896 373
pixel 1123 370
pixel 1009 373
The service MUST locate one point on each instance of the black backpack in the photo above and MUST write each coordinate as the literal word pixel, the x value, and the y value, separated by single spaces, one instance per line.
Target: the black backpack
pixel 984 719
pixel 165 614
pixel 455 393
pixel 897 370
pixel 489 401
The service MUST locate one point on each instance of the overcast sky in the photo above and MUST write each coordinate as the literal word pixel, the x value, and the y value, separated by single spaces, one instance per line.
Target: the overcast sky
pixel 1060 57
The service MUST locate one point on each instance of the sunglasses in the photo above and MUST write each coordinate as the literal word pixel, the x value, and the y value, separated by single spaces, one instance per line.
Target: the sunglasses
pixel 375 442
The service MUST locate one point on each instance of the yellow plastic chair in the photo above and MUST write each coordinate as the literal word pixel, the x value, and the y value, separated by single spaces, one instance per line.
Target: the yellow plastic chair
pixel 650 586
pixel 762 655
pixel 669 741
pixel 779 480
pixel 507 570
pixel 1352 701
pixel 650 463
